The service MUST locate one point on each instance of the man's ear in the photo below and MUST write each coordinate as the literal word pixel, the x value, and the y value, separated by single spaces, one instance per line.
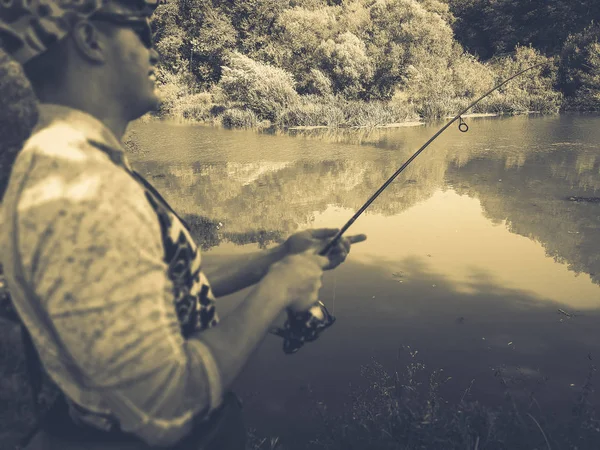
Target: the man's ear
pixel 89 42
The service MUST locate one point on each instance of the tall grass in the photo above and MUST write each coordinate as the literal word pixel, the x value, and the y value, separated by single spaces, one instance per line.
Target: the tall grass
pixel 405 411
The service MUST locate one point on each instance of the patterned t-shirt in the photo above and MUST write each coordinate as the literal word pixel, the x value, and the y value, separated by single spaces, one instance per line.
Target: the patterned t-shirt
pixel 108 281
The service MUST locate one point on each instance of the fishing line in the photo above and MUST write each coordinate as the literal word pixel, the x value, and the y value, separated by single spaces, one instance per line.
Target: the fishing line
pixel 463 127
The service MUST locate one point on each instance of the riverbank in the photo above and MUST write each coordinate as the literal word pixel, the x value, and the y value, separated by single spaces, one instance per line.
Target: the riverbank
pixel 256 95
pixel 314 113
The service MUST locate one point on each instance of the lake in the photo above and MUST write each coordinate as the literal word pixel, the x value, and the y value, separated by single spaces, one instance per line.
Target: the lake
pixel 484 254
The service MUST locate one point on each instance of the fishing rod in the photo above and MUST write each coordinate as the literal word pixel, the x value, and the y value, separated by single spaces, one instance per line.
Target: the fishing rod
pixel 462 127
pixel 305 326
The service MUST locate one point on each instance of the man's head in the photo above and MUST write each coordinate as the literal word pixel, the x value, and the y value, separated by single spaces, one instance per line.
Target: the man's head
pixel 85 52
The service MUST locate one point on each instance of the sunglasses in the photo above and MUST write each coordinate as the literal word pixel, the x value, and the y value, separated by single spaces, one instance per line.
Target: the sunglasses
pixel 140 25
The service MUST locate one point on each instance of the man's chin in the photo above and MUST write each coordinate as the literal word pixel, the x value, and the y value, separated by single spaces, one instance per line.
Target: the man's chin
pixel 155 103
pixel 151 106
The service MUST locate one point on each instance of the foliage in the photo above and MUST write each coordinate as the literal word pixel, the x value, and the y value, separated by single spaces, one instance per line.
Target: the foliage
pixel 253 21
pixel 488 28
pixel 262 88
pixel 296 35
pixel 370 50
pixel 346 62
pixel 239 118
pixel 209 36
pixel 530 92
pixel 579 69
pixel 169 37
pixel 311 111
pixel 172 89
pixel 399 33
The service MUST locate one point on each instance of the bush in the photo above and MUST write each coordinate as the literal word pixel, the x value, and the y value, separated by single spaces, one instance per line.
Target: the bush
pixel 210 36
pixel 579 70
pixel 532 91
pixel 239 118
pixel 399 34
pixel 195 107
pixel 317 83
pixel 374 113
pixel 335 112
pixel 346 63
pixel 299 31
pixel 171 88
pixel 441 88
pixel 266 90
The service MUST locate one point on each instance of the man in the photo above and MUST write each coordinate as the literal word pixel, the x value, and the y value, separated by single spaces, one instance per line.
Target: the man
pixel 102 272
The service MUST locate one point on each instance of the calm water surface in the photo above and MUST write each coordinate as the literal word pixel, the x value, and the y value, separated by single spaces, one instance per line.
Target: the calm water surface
pixel 471 252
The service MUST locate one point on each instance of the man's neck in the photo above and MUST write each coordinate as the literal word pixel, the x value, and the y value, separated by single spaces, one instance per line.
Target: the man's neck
pixel 105 111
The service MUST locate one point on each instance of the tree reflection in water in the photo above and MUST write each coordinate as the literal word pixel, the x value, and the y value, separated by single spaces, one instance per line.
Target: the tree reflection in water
pixel 522 170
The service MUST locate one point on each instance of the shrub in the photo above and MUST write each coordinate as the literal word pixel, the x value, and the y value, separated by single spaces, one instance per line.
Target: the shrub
pixel 195 107
pixel 398 35
pixel 440 88
pixel 374 113
pixel 317 83
pixel 210 36
pixel 171 88
pixel 346 63
pixel 579 69
pixel 266 90
pixel 532 91
pixel 239 118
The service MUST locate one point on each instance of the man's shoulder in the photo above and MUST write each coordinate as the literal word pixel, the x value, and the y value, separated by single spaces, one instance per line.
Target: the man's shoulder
pixel 59 166
pixel 64 144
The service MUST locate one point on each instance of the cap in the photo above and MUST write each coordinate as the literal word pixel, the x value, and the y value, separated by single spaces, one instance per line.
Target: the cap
pixel 29 27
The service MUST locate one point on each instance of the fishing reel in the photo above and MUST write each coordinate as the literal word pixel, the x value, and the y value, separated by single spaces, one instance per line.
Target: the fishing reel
pixel 303 326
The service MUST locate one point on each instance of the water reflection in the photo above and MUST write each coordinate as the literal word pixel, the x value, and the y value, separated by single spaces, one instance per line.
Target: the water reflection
pixel 522 172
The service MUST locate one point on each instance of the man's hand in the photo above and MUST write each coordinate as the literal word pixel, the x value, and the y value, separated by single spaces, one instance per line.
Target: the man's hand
pixel 317 239
pixel 301 276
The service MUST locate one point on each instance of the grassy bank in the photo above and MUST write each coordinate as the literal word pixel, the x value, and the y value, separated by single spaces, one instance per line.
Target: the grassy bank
pixel 255 95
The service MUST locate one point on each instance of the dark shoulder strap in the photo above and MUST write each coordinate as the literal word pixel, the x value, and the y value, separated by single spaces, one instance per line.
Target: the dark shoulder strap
pixel 152 191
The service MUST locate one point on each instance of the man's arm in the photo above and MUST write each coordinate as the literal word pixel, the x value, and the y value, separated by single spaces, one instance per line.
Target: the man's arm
pixel 239 272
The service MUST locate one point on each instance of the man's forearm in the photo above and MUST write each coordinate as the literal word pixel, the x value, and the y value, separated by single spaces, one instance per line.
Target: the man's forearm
pixel 238 334
pixel 242 271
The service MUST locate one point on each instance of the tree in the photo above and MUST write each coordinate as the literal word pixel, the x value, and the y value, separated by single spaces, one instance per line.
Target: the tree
pixel 253 21
pixel 345 61
pixel 209 36
pixel 399 32
pixel 579 69
pixel 487 27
